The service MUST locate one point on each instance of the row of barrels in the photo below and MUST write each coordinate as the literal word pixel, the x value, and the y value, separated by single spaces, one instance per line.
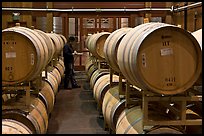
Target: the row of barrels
pixel 30 55
pixel 123 120
pixel 26 52
pixel 34 118
pixel 157 57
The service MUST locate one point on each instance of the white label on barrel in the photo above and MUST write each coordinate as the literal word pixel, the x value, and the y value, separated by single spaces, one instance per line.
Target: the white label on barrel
pixel 10 54
pixel 32 59
pixel 166 51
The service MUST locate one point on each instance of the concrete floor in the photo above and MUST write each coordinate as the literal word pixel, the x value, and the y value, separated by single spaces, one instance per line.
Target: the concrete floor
pixel 75 111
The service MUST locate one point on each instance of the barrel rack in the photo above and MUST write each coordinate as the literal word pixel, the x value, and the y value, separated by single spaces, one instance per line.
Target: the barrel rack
pixel 15 90
pixel 148 96
pixel 182 98
pixel 25 88
pixel 100 64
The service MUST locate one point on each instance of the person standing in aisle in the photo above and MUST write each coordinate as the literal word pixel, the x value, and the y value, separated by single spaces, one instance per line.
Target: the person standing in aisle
pixel 68 54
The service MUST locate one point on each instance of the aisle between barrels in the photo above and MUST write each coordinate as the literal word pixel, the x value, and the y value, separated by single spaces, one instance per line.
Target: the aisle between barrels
pixel 75 111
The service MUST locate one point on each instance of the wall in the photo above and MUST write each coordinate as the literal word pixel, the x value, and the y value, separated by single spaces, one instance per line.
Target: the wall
pixel 193 22
pixel 25 17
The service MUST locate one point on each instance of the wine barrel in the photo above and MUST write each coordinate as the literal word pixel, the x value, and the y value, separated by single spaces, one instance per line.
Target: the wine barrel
pixel 130 121
pixel 52 80
pixel 193 129
pixel 111 45
pixel 35 117
pixel 57 75
pixel 60 67
pixel 158 56
pixel 87 40
pixel 22 47
pixel 58 43
pixel 96 75
pixel 88 63
pixel 112 107
pixel 10 126
pixel 96 44
pixel 101 86
pixel 63 38
pixel 50 44
pixel 90 71
pixel 47 96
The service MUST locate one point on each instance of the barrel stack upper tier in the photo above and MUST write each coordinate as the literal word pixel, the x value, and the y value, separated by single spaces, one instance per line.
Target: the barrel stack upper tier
pixel 158 57
pixel 95 44
pixel 26 52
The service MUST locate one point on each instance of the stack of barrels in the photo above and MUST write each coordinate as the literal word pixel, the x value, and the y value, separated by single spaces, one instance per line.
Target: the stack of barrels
pixel 30 58
pixel 159 58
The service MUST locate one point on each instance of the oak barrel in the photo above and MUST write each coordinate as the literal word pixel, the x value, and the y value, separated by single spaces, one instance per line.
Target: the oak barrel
pixel 35 116
pixel 60 67
pixel 111 47
pixel 47 96
pixel 96 75
pixel 100 88
pixel 96 44
pixel 10 126
pixel 58 43
pixel 22 46
pixel 55 72
pixel 63 38
pixel 193 129
pixel 88 63
pixel 90 71
pixel 112 107
pixel 50 44
pixel 159 57
pixel 52 80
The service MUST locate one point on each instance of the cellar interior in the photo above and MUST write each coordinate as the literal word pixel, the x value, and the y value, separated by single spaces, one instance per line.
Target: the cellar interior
pixel 138 66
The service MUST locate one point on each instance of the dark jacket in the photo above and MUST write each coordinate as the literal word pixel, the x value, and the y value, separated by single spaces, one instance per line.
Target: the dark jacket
pixel 67 53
